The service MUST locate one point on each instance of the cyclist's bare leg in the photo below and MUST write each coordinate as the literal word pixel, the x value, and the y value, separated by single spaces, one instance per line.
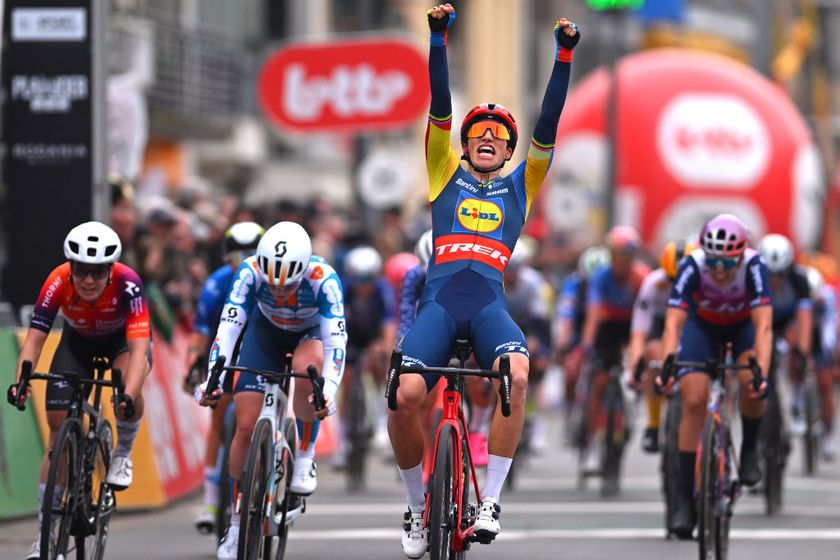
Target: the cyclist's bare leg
pixel 308 352
pixel 505 432
pixel 750 408
pixel 653 350
pixel 404 424
pixel 571 370
pixel 825 389
pixel 597 389
pixel 214 438
pixel 248 406
pixel 694 389
pixel 54 421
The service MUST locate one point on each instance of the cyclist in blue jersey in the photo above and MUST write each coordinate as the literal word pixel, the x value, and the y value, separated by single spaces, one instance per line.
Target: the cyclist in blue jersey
pixel 793 318
pixel 240 242
pixel 569 317
pixel 370 314
pixel 477 215
pixel 824 347
pixel 291 301
pixel 609 310
pixel 721 297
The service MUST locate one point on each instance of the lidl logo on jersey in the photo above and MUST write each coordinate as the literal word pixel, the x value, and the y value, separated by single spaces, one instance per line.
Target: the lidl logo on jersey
pixel 476 215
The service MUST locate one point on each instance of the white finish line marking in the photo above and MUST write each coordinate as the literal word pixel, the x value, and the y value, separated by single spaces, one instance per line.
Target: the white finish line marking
pixel 569 508
pixel 579 534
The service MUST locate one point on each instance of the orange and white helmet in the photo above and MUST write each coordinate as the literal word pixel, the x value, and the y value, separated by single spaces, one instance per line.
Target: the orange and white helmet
pixel 283 254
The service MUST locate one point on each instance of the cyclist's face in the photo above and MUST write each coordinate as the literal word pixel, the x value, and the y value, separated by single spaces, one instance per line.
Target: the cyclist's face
pixel 283 292
pixel 90 280
pixel 487 151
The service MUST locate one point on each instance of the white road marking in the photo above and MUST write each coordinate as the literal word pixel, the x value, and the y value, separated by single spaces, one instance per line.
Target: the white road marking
pixel 578 534
pixel 570 508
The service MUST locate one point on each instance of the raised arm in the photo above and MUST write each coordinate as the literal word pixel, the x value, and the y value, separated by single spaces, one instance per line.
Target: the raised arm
pixel 566 35
pixel 441 159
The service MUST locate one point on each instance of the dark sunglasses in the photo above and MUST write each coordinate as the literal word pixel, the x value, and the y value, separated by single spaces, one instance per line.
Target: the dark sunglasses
pixel 97 272
pixel 723 262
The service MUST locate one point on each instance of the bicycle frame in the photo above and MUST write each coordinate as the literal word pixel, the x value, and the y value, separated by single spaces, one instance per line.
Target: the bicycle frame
pixel 274 409
pixel 453 416
pixel 727 458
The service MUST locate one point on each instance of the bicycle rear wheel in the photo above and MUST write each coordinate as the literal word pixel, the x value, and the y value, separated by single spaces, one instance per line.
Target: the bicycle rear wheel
pixel 440 503
pixel 774 453
pixel 102 502
pixel 670 465
pixel 357 432
pixel 708 493
pixel 613 438
pixel 254 485
pixel 811 437
pixel 60 503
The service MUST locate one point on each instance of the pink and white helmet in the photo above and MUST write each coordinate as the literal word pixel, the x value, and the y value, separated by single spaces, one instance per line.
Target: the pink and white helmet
pixel 725 235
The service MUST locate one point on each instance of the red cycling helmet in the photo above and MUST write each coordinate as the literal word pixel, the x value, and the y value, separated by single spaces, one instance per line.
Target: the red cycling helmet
pixel 490 112
pixel 623 239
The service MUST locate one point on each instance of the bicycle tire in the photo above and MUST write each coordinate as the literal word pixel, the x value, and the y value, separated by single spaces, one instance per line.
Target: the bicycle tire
pixel 357 432
pixel 773 454
pixel 708 493
pixel 613 440
pixel 63 464
pixel 223 503
pixel 254 486
pixel 465 511
pixel 284 467
pixel 440 502
pixel 102 500
pixel 670 465
pixel 725 492
pixel 811 437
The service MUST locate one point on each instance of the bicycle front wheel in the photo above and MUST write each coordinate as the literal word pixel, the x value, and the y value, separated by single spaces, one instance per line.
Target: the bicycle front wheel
pixel 811 437
pixel 59 504
pixel 708 492
pixel 440 501
pixel 254 487
pixel 670 466
pixel 101 502
pixel 284 467
pixel 613 439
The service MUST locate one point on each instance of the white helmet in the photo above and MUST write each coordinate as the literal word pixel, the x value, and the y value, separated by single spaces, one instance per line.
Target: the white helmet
pixel 362 262
pixel 815 281
pixel 522 253
pixel 777 251
pixel 243 236
pixel 92 243
pixel 592 259
pixel 283 254
pixel 424 248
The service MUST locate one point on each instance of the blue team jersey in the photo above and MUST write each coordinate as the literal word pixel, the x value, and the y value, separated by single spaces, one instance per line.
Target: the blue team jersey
pixel 212 300
pixel 412 289
pixel 366 316
pixel 792 294
pixel 616 296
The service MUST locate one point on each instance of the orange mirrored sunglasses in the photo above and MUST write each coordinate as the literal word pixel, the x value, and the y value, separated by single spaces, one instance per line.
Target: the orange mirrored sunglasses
pixel 497 129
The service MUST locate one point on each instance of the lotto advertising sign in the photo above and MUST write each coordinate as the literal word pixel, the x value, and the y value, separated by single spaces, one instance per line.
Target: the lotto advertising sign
pixel 347 86
pixel 698 134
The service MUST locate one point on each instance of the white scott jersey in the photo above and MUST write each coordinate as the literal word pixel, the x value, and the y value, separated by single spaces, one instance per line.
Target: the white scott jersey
pixel 318 301
pixel 651 301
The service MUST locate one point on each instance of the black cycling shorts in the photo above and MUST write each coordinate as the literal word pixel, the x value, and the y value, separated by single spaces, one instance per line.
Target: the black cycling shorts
pixel 75 353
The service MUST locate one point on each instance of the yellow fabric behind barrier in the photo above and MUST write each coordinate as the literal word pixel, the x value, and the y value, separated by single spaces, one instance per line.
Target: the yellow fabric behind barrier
pixel 147 489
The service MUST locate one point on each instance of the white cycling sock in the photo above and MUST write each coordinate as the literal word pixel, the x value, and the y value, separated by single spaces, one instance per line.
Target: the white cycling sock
pixel 497 471
pixel 211 486
pixel 414 489
pixel 41 489
pixel 126 434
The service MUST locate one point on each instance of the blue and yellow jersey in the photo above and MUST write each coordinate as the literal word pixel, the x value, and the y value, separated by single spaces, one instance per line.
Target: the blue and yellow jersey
pixel 475 225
